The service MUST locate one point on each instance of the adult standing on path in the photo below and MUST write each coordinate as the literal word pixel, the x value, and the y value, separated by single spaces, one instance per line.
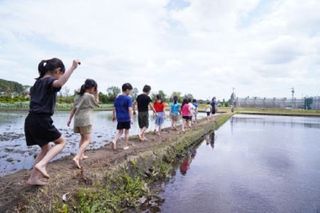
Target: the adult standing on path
pixel 143 103
pixel 213 106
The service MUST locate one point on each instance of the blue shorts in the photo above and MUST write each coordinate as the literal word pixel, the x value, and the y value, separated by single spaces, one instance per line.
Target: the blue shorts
pixel 159 118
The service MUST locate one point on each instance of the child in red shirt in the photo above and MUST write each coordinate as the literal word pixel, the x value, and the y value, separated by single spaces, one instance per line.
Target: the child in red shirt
pixel 159 106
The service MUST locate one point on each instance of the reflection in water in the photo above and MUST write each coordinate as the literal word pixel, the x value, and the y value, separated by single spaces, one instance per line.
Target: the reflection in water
pixel 185 165
pixel 209 139
pixel 259 164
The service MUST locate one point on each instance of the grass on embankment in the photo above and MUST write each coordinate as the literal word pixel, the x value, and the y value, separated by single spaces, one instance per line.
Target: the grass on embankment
pixel 283 112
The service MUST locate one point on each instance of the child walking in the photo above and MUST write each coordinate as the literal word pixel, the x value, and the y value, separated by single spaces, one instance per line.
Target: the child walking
pixel 144 102
pixel 208 110
pixel 186 114
pixel 85 101
pixel 174 112
pixel 38 127
pixel 122 112
pixel 195 110
pixel 158 105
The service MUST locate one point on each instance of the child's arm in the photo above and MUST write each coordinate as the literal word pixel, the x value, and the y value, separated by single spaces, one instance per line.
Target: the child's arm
pixel 65 77
pixel 73 111
pixel 131 114
pixel 151 107
pixel 114 114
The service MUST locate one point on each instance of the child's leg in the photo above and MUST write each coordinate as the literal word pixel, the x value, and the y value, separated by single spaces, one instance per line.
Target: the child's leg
pixel 183 125
pixel 85 139
pixel 81 143
pixel 116 138
pixel 41 166
pixel 35 174
pixel 126 137
pixel 143 130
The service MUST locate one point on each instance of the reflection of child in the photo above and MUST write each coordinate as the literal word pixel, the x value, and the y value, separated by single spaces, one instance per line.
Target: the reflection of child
pixel 86 100
pixel 185 166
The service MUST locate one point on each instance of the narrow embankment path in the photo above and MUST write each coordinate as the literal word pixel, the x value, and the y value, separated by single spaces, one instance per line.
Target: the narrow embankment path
pixel 17 196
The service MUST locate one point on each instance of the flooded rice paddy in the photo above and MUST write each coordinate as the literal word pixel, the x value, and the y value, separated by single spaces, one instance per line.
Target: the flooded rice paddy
pixel 251 164
pixel 15 155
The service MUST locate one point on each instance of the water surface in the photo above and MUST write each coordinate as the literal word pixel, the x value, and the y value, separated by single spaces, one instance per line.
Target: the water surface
pixel 251 164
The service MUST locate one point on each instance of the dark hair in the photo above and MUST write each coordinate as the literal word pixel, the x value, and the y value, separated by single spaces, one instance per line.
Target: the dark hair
pixel 175 99
pixel 189 100
pixel 158 97
pixel 184 102
pixel 194 101
pixel 88 84
pixel 146 88
pixel 126 86
pixel 50 65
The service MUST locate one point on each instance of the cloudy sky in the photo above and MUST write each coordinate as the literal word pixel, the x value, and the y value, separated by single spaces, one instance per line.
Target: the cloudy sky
pixel 203 47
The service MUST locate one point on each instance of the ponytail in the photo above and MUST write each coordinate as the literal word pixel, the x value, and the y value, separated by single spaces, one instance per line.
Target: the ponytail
pixel 50 65
pixel 42 69
pixel 82 90
pixel 88 84
pixel 175 99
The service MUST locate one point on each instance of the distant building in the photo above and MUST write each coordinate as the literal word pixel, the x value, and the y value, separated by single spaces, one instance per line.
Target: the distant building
pixel 284 103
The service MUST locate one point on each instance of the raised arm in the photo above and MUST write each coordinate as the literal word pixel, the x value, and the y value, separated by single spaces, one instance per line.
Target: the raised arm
pixel 65 77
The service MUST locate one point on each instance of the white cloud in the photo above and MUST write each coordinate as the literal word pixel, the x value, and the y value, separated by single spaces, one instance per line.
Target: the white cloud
pixel 206 47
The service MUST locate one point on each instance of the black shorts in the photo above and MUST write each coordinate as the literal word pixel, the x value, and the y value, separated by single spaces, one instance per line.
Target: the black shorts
pixel 213 111
pixel 143 119
pixel 39 130
pixel 208 113
pixel 187 118
pixel 124 125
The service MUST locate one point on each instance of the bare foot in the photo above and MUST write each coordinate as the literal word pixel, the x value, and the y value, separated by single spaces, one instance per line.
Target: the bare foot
pixel 76 162
pixel 42 170
pixel 84 157
pixel 126 147
pixel 114 145
pixel 36 182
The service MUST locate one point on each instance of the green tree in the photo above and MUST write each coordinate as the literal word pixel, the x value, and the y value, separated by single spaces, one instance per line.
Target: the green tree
pixel 161 93
pixel 103 98
pixel 178 94
pixel 188 96
pixel 112 93
pixel 135 93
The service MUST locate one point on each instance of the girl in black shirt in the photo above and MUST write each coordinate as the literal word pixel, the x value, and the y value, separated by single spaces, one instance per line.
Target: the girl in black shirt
pixel 39 128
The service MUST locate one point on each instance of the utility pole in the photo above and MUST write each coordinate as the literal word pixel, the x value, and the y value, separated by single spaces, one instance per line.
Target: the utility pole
pixel 292 93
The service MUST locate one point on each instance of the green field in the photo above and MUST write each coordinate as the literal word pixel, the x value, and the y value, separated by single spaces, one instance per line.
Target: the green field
pixel 24 106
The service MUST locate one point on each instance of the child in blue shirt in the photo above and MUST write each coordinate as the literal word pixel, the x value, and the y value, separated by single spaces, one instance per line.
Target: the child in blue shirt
pixel 122 112
pixel 174 112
